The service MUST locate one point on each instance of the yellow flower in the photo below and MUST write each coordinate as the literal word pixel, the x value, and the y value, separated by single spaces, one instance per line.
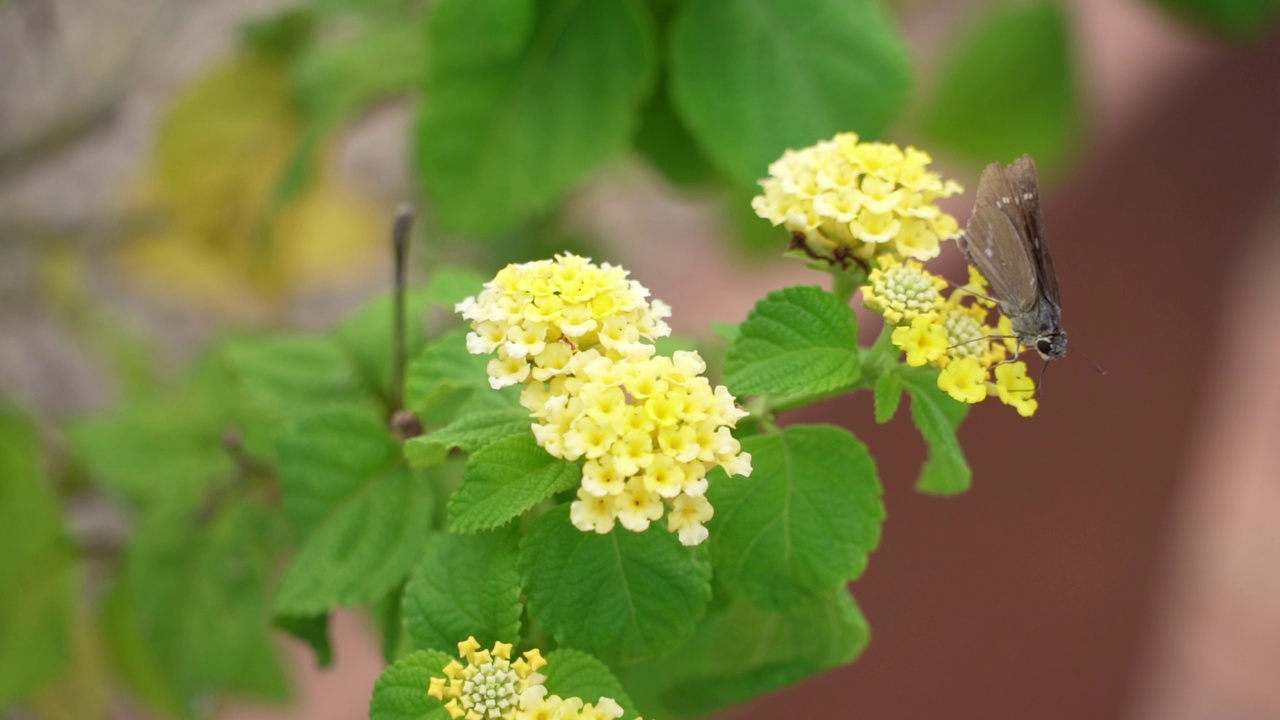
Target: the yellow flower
pixel 1013 387
pixel 844 198
pixel 924 341
pixel 492 687
pixel 535 315
pixel 489 685
pixel 903 290
pixel 687 517
pixel 647 428
pixel 965 380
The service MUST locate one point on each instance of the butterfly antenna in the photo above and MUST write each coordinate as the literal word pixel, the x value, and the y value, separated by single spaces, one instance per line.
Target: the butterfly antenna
pixel 1096 366
pixel 970 292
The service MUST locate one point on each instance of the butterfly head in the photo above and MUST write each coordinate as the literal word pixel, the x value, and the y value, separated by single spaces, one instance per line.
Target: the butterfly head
pixel 1052 345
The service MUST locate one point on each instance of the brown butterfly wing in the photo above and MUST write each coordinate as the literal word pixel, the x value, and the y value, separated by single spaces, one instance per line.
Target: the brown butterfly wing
pixel 1024 181
pixel 994 244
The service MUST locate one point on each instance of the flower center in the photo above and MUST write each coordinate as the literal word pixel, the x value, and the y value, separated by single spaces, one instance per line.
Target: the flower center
pixel 965 335
pixel 492 691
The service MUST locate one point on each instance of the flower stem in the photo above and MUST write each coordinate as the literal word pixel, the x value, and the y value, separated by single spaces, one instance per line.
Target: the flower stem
pixel 400 243
pixel 881 355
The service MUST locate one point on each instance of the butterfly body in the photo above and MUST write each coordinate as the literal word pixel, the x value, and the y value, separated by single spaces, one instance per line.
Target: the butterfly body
pixel 1005 240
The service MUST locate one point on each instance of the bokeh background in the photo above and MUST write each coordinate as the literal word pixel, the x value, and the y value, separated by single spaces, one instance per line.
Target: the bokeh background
pixel 1117 557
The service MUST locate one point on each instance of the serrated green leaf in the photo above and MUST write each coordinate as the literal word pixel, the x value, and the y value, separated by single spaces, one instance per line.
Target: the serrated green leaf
pixel 622 596
pixel 803 523
pixel 888 394
pixel 325 458
pixel 401 691
pixel 573 673
pixel 364 515
pixel 796 340
pixel 468 433
pixel 1010 89
pixel 36 567
pixel 197 581
pixel 449 286
pixel 291 377
pixel 171 441
pixel 754 77
pixel 367 337
pixel 938 416
pixel 526 96
pixel 506 478
pixel 312 630
pixel 746 652
pixel 1239 18
pixel 442 366
pixel 467 586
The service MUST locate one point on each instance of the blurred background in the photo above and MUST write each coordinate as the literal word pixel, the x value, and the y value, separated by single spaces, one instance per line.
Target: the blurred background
pixel 173 170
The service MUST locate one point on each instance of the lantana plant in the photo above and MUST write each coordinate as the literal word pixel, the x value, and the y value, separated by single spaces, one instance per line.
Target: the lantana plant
pixel 673 545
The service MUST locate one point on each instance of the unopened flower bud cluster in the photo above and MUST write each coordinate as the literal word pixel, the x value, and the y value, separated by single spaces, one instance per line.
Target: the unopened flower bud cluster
pixel 490 686
pixel 648 428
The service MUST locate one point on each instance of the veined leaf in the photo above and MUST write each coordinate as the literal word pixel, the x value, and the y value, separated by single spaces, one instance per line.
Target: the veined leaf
pixel 752 78
pixel 803 523
pixel 505 479
pixel 796 340
pixel 524 96
pixel 938 416
pixel 622 596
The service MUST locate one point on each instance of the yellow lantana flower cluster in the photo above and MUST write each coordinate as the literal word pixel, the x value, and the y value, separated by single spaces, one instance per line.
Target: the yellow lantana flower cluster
pixel 954 333
pixel 535 315
pixel 647 428
pixel 489 686
pixel 843 198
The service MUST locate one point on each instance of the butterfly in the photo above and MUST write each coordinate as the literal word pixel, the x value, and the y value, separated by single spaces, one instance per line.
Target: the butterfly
pixel 1005 240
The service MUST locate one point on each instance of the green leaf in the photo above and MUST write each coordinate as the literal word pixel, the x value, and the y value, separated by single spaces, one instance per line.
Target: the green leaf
pixel 505 479
pixel 364 515
pixel 888 392
pixel 804 521
pixel 937 416
pixel 1239 18
pixel 449 286
pixel 796 340
pixel 334 82
pixel 442 366
pixel 751 652
pixel 291 377
pixel 170 441
pixel 468 585
pixel 36 567
pixel 665 141
pixel 367 337
pixel 573 673
pixel 525 97
pixel 312 630
pixel 727 332
pixel 622 596
pixel 752 78
pixel 1010 89
pixel 133 663
pixel 468 433
pixel 401 690
pixel 197 581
